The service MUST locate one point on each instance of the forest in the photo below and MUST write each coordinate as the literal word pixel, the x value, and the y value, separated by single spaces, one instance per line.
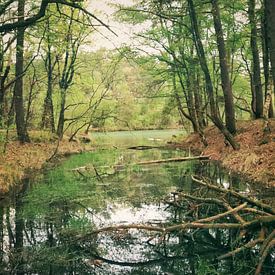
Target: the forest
pixel 197 64
pixel 191 81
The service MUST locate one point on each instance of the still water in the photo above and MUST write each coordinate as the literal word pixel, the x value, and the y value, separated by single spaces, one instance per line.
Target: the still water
pixel 48 227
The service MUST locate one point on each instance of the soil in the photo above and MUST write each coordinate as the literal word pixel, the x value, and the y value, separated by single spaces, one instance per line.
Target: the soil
pixel 23 160
pixel 256 157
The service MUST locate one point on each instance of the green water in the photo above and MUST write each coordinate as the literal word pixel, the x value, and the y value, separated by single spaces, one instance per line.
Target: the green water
pixel 46 228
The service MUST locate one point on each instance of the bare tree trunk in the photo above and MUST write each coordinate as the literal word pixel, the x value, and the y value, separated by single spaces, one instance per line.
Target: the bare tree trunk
pixel 258 97
pixel 226 83
pixel 18 88
pixel 208 81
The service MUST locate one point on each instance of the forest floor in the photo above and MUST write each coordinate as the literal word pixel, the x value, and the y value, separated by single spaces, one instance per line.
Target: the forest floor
pixel 21 161
pixel 256 157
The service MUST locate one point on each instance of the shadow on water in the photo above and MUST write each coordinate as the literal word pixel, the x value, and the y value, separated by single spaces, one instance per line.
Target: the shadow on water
pixel 46 228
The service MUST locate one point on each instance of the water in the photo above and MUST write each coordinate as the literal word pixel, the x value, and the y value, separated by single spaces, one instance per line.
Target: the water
pixel 47 228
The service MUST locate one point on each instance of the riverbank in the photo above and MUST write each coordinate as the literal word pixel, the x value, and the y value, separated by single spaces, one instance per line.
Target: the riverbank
pixel 256 157
pixel 21 161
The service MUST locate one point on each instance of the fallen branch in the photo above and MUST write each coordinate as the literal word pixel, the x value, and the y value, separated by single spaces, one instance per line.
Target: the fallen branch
pixel 267 241
pixel 236 215
pixel 263 257
pixel 267 220
pixel 240 249
pixel 199 199
pixel 256 211
pixel 230 211
pixel 259 204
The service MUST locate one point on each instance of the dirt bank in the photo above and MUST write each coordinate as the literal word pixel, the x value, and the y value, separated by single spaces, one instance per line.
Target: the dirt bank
pixel 21 161
pixel 256 157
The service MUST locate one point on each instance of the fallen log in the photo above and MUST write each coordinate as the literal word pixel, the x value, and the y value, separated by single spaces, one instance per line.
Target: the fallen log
pixel 172 160
pixel 119 166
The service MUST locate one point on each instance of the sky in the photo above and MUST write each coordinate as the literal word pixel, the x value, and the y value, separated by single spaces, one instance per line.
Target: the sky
pixel 124 32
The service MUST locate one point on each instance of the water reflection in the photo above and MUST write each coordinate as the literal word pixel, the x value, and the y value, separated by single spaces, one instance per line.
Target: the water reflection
pixel 46 228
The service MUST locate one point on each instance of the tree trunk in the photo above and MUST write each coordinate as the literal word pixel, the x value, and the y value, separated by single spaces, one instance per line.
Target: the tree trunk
pixel 198 102
pixel 48 115
pixel 270 11
pixel 258 96
pixel 208 81
pixel 19 70
pixel 61 120
pixel 226 83
pixel 266 46
pixel 2 94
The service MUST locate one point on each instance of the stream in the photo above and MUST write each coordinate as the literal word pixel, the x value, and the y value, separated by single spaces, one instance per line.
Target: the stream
pixel 46 228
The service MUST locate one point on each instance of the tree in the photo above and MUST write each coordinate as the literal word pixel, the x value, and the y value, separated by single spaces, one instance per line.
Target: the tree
pixel 50 62
pixel 225 79
pixel 29 13
pixel 257 92
pixel 215 116
pixel 270 11
pixel 73 39
pixel 5 66
pixel 19 71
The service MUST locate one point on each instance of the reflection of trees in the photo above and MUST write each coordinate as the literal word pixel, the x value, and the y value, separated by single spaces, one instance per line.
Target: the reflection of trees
pixel 228 244
pixel 1 235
